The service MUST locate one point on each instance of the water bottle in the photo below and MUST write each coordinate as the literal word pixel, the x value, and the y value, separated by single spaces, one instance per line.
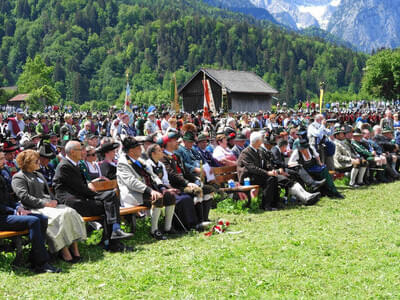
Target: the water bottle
pixel 247 181
pixel 231 183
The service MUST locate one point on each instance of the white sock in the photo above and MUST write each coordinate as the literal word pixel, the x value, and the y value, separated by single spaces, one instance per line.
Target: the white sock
pixel 169 214
pixel 361 174
pixel 353 175
pixel 155 215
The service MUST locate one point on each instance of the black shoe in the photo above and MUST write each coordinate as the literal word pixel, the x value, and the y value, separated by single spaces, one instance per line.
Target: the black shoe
pixel 158 235
pixel 119 234
pixel 71 261
pixel 337 195
pixel 47 268
pixel 317 184
pixel 171 231
pixel 269 208
pixel 117 246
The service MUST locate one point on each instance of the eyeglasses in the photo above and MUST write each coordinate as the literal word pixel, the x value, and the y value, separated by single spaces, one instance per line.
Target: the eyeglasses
pixel 91 154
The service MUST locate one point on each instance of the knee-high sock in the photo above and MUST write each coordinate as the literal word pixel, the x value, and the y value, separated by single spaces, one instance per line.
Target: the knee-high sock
pixel 169 214
pixel 155 215
pixel 361 174
pixel 353 175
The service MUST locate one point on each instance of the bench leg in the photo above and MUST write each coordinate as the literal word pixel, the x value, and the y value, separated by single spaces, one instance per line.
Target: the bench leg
pixel 18 261
pixel 133 223
pixel 248 194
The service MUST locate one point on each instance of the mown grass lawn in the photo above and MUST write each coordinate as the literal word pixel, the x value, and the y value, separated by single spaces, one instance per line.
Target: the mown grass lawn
pixel 337 249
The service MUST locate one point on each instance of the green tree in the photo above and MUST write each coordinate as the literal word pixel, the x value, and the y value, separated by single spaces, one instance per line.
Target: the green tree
pixel 382 75
pixel 35 75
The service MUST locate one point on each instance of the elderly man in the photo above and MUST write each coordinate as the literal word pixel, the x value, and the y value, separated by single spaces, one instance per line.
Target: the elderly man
pixel 387 121
pixel 72 190
pixel 250 165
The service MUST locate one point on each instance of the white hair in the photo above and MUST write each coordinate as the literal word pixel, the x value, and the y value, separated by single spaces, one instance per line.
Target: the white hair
pixel 70 146
pixel 376 128
pixel 255 137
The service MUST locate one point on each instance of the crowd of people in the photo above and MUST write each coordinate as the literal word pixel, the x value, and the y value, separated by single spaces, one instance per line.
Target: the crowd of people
pixel 165 160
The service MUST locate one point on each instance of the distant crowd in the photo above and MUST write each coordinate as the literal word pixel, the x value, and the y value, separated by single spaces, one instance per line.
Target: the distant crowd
pixel 165 160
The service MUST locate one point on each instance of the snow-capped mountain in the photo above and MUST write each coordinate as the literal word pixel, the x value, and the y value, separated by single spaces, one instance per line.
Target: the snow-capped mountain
pixel 299 14
pixel 366 24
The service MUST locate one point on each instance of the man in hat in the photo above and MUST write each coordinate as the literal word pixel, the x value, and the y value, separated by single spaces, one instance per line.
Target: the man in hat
pixel 138 186
pixel 10 155
pixel 206 156
pixel 240 140
pixel 346 160
pixel 45 155
pixel 72 190
pixel 16 125
pixel 258 121
pixel 42 127
pixel 180 178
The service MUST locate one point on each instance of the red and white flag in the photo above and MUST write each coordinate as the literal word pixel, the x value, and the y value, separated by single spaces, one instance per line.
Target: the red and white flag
pixel 209 104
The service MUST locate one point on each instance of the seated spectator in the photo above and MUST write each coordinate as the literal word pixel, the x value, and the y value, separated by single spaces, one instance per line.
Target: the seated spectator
pixel 347 160
pixel 222 153
pixel 90 166
pixel 206 156
pixel 47 170
pixel 240 141
pixel 65 226
pixel 72 189
pixel 139 187
pixel 191 211
pixel 10 149
pixel 308 157
pixel 158 171
pixel 108 166
pixel 13 216
pixel 125 129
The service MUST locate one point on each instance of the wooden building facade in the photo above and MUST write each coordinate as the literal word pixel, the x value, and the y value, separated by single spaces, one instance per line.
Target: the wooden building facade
pixel 246 92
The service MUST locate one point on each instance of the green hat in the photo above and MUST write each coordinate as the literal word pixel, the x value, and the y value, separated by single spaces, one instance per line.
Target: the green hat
pixel 203 137
pixel 189 136
pixel 387 130
pixel 339 130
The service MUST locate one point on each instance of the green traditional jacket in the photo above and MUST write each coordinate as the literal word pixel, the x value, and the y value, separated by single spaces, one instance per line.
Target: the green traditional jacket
pixel 360 149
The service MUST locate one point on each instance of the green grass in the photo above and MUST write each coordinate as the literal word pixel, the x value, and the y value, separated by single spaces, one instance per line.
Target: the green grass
pixel 337 249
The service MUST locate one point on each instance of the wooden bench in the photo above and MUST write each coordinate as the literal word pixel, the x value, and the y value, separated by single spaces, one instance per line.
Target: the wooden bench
pixel 224 174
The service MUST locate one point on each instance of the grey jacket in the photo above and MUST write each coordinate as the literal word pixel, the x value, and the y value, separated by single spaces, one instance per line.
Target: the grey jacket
pixel 28 188
pixel 131 184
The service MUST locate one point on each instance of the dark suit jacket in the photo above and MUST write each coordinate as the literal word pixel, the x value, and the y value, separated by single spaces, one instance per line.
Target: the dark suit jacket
pixel 70 183
pixel 385 143
pixel 278 159
pixel 177 180
pixel 250 164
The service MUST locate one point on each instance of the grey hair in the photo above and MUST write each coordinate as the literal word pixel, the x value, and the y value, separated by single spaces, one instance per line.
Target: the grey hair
pixel 255 137
pixel 376 128
pixel 71 145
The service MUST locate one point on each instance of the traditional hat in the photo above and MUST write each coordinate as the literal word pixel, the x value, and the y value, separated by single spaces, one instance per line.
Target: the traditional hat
pixel 9 147
pixel 357 132
pixel 203 137
pixel 130 143
pixel 107 147
pixel 46 151
pixel 339 130
pixel 240 137
pixel 189 136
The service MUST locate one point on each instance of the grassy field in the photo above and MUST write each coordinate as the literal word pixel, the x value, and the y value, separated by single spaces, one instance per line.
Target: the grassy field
pixel 337 249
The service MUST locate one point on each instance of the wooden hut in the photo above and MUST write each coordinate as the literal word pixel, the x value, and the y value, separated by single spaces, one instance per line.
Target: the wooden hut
pixel 245 91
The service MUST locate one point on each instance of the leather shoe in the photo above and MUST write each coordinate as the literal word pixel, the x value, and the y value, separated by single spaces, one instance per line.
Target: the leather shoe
pixel 119 234
pixel 317 184
pixel 158 235
pixel 338 196
pixel 171 231
pixel 47 268
pixel 119 247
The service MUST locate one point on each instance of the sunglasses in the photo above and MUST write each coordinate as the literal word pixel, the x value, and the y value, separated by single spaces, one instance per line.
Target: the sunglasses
pixel 91 154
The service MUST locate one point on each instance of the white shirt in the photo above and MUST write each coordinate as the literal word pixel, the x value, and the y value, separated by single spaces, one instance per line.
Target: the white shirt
pixel 71 161
pixel 294 158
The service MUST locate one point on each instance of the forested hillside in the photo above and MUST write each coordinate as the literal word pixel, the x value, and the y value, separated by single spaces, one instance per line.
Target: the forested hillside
pixel 92 44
